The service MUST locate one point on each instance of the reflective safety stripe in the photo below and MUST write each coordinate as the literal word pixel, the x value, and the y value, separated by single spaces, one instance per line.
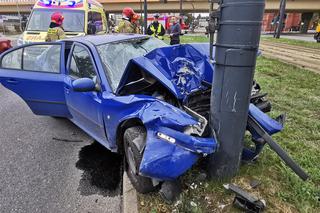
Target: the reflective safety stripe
pixel 158 31
pixel 54 34
pixel 318 28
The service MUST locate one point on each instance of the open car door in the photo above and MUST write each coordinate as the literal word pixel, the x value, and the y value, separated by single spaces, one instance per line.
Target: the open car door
pixel 36 73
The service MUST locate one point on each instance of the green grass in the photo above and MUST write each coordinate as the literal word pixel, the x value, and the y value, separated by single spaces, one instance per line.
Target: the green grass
pixel 295 42
pixel 291 90
pixel 189 39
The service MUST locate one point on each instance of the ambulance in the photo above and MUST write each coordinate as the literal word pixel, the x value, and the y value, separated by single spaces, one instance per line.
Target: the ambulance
pixel 80 17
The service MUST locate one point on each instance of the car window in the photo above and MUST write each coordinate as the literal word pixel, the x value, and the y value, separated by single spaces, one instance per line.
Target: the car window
pixel 115 56
pixel 81 65
pixel 95 23
pixel 12 60
pixel 40 20
pixel 42 58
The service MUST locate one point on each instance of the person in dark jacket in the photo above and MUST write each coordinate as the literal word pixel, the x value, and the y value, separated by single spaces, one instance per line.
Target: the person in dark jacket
pixel 156 29
pixel 175 31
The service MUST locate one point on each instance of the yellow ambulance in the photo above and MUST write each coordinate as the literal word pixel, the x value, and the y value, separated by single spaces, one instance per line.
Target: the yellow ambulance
pixel 81 17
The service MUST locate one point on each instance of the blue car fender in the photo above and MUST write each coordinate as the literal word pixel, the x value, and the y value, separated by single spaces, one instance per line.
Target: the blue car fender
pixel 169 151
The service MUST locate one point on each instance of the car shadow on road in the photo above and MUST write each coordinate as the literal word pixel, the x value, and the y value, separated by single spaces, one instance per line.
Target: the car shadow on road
pixel 101 171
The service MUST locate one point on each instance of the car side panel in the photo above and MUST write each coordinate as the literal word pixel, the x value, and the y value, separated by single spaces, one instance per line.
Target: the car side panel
pixel 43 92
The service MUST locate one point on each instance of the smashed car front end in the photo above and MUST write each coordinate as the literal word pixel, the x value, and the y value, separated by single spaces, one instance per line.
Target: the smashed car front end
pixel 174 136
pixel 168 90
pixel 174 141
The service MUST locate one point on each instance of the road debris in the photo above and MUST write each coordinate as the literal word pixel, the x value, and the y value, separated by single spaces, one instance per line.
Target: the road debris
pixel 255 183
pixel 193 204
pixel 246 201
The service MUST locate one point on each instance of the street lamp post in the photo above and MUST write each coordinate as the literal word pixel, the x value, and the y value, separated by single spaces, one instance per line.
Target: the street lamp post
pixel 281 18
pixel 145 16
pixel 237 43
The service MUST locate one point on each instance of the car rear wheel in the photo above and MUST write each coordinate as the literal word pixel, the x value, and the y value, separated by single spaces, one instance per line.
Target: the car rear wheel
pixel 134 142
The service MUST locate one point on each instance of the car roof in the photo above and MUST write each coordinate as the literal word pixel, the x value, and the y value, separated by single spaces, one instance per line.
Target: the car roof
pixel 106 38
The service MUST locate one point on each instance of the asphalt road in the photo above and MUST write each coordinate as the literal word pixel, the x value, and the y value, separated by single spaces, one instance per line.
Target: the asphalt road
pixel 50 165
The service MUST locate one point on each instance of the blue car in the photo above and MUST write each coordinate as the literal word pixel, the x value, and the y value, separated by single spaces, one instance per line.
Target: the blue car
pixel 133 94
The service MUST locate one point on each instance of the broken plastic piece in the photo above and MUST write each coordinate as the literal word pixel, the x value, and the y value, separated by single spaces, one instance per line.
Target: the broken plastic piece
pixel 263 133
pixel 245 200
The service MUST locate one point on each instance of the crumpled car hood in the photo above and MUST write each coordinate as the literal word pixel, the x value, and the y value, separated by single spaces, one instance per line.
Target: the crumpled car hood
pixel 182 69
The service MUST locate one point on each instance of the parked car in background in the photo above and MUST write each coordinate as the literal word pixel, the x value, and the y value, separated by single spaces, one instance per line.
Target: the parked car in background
pixel 5 44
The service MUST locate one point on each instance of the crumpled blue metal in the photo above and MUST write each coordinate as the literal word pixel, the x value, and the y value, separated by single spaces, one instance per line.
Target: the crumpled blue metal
pixel 161 160
pixel 270 125
pixel 181 68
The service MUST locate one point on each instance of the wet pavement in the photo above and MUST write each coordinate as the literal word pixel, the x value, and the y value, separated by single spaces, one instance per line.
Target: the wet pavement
pixel 50 165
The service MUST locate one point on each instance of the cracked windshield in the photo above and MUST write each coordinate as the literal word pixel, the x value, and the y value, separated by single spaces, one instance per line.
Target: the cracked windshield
pixel 115 56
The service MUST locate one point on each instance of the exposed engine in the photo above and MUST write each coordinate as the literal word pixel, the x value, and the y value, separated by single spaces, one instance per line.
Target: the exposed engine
pixel 197 104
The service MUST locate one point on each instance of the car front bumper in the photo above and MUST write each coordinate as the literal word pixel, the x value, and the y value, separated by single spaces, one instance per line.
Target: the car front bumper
pixel 170 153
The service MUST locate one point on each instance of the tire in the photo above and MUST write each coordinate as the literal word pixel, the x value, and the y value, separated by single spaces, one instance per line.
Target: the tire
pixel 134 157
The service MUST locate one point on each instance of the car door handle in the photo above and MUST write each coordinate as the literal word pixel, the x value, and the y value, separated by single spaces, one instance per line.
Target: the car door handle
pixel 12 81
pixel 67 89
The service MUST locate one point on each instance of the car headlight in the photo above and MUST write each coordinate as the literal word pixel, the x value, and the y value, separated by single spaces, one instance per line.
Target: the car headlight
pixel 196 129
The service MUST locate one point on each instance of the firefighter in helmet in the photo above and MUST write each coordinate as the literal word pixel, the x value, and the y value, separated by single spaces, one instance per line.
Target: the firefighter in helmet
pixel 135 21
pixel 56 31
pixel 156 29
pixel 125 25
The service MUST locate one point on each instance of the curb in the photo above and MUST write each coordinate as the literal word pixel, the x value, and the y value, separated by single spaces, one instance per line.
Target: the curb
pixel 129 196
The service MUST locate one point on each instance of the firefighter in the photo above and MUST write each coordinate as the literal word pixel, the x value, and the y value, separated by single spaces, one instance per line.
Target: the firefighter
pixel 135 22
pixel 156 29
pixel 125 25
pixel 56 31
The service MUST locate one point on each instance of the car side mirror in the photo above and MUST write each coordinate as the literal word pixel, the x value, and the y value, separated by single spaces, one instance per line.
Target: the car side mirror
pixel 83 85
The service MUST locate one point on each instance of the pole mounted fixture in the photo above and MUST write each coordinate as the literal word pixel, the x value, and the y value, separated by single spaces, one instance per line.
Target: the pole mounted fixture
pixel 145 16
pixel 213 24
pixel 239 28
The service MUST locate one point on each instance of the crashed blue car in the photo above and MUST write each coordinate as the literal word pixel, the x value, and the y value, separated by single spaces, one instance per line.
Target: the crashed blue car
pixel 133 94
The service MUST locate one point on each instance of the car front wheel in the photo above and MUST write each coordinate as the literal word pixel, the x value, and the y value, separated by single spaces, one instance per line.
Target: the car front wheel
pixel 134 142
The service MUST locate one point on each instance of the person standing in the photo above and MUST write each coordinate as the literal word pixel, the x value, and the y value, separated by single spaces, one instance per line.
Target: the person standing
pixel 125 25
pixel 156 29
pixel 55 31
pixel 317 35
pixel 135 21
pixel 175 31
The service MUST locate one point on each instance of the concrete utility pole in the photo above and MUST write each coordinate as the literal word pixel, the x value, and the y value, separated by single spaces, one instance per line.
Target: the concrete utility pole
pixel 181 15
pixel 281 18
pixel 145 17
pixel 235 58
